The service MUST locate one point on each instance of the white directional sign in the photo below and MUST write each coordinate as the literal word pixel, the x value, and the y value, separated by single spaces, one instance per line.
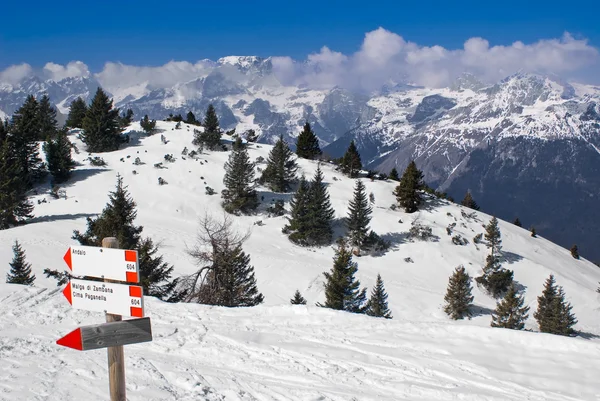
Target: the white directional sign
pixel 107 263
pixel 118 299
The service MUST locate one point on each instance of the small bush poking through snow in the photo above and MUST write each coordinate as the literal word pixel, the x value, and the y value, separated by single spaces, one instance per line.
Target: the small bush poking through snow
pixel 138 161
pixel 209 190
pixel 459 240
pixel 161 181
pixel 477 239
pixel 159 166
pixel 277 209
pixel 97 161
pixel 420 232
pixel 169 158
pixel 409 260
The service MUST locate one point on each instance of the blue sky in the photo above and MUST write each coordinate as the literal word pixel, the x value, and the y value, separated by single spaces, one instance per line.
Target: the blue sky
pixel 153 33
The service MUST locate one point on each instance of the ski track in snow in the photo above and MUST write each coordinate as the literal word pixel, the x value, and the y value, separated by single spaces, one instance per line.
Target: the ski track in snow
pixel 280 352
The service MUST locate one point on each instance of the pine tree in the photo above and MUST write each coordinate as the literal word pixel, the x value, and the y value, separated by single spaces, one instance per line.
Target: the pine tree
pixel 231 281
pixel 20 270
pixel 407 191
pixel 394 175
pixel 458 296
pixel 239 195
pixel 101 132
pixel 210 138
pixel 554 314
pixel 351 163
pixel 510 313
pixel 148 125
pixel 342 290
pixel 191 118
pixel 14 206
pixel 377 305
pixel 533 232
pixel 117 220
pixel 469 202
pixel 298 299
pixel 155 273
pixel 281 167
pixel 320 212
pixel 495 278
pixel 517 222
pixel 307 143
pixel 77 112
pixel 25 131
pixel 575 251
pixel 47 120
pixel 297 226
pixel 359 216
pixel 493 237
pixel 58 157
pixel 126 119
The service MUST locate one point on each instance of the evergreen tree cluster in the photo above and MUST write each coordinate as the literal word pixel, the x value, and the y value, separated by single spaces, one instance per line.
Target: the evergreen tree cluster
pixel 311 217
pixel 117 220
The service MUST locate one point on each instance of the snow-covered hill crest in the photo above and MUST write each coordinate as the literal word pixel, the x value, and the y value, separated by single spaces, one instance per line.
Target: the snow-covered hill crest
pixel 280 352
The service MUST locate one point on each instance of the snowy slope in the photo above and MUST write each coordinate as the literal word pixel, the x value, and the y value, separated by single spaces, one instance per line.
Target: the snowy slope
pixel 276 351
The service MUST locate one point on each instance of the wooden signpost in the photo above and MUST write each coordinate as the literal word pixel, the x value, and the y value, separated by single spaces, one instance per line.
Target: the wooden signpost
pixel 113 298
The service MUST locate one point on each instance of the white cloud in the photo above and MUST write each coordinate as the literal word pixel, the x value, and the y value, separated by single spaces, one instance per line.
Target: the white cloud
pixel 383 57
pixel 15 73
pixel 117 75
pixel 74 69
pixel 387 57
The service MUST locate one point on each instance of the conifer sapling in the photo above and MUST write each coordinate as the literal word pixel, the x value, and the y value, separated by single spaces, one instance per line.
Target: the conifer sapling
pixel 377 305
pixel 20 270
pixel 458 295
pixel 510 313
pixel 298 299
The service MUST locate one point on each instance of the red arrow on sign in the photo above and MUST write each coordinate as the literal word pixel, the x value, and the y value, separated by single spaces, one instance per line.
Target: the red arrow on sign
pixel 67 293
pixel 72 340
pixel 67 259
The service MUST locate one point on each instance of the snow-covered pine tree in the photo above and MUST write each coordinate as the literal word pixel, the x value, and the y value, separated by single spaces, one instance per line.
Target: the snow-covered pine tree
pixel 239 195
pixel 469 202
pixel 359 216
pixel 47 119
pixel 351 163
pixel 281 168
pixel 58 157
pixel 342 289
pixel 210 138
pixel 407 192
pixel 20 270
pixel 458 296
pixel 297 226
pixel 377 305
pixel 554 314
pixel 307 143
pixel 320 212
pixel 298 299
pixel 24 134
pixel 510 313
pixel 101 132
pixel 77 112
pixel 231 281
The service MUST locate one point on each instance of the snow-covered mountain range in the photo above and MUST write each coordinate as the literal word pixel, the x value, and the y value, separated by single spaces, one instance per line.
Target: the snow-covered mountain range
pixel 276 351
pixel 528 146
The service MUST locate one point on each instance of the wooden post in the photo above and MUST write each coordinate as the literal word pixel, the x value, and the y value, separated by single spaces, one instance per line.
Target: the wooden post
pixel 116 358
